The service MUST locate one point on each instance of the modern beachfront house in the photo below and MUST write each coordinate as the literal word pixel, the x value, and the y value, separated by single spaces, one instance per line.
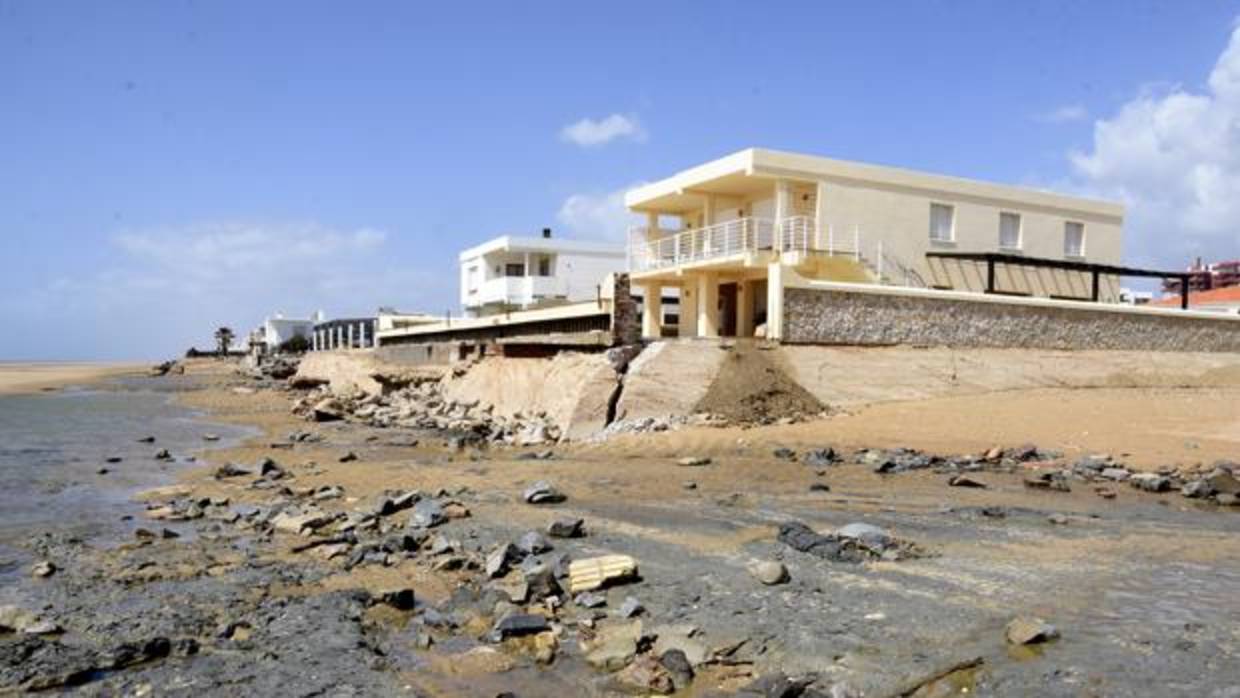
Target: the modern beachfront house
pixel 511 273
pixel 730 233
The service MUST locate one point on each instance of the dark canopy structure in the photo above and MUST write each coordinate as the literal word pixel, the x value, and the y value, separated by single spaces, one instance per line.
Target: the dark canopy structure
pixel 1096 270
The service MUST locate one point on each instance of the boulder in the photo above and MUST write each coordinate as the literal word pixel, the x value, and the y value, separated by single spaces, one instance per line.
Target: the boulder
pixel 1150 482
pixel 1027 630
pixel 871 536
pixel 644 676
pixel 518 625
pixel 500 560
pixel 533 543
pixel 427 513
pixel 328 410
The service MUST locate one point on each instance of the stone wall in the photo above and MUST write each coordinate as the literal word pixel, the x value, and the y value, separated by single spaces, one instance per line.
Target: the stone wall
pixel 626 326
pixel 885 316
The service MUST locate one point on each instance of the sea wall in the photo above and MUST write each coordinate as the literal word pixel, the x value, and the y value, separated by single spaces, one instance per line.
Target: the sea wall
pixel 829 313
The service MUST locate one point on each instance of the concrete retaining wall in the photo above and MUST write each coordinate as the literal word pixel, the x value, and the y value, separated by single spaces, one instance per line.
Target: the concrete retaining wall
pixel 848 314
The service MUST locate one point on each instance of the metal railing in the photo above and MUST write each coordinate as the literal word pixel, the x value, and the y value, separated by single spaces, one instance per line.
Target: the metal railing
pixel 738 236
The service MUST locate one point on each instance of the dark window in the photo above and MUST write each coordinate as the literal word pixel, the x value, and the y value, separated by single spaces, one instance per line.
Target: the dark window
pixel 514 270
pixel 544 266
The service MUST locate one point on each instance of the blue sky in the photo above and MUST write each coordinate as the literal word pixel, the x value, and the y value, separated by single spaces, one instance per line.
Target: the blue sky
pixel 167 167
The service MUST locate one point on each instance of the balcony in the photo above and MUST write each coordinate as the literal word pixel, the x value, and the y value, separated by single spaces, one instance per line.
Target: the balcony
pixel 515 290
pixel 739 237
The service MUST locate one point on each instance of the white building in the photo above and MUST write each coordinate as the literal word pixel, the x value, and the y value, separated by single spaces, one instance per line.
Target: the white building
pixel 520 273
pixel 277 329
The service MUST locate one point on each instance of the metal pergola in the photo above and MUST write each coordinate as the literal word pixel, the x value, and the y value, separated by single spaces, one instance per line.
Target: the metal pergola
pixel 1095 270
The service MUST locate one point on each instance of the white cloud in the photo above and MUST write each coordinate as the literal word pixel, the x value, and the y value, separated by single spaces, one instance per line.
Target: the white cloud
pixel 1173 155
pixel 589 132
pixel 171 287
pixel 597 215
pixel 1063 115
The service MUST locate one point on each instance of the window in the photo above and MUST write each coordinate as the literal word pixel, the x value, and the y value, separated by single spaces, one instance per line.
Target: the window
pixel 544 266
pixel 941 223
pixel 1073 239
pixel 514 270
pixel 1009 231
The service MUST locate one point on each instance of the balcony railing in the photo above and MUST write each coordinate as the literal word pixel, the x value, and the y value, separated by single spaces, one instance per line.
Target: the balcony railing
pixel 726 239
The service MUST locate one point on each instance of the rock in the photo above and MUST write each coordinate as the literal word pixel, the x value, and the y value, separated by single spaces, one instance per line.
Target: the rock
pixel 820 457
pixel 688 485
pixel 693 461
pixel 677 664
pixel 1223 482
pixel 819 487
pixel 327 410
pixel 1115 474
pixel 532 543
pixel 518 625
pixel 210 437
pixel 540 582
pixel 680 640
pixel 330 492
pixel 348 457
pixel 427 513
pixel 401 599
pixel 542 492
pixel 147 440
pixel 1105 492
pixel 298 524
pixel 113 459
pixel 19 620
pixel 43 569
pixel 1057 519
pixel 229 470
pixel 163 454
pixel 784 453
pixel 500 560
pixel 102 471
pixel 644 676
pixel 776 685
pixel 588 599
pixel 615 645
pixel 596 572
pixel 630 607
pixel 1227 500
pixel 1197 489
pixel 566 528
pixel 532 435
pixel 965 481
pixel 270 469
pixel 1026 630
pixel 1150 482
pixel 872 536
pixel 1047 480
pixel 768 572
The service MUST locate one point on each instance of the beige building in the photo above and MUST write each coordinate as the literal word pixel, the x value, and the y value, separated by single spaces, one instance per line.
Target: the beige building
pixel 728 232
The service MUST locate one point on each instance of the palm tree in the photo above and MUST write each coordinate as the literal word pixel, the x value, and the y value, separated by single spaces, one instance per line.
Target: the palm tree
pixel 223 340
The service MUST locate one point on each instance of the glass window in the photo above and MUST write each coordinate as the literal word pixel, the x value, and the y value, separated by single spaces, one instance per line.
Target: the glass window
pixel 1073 239
pixel 514 270
pixel 1009 231
pixel 941 222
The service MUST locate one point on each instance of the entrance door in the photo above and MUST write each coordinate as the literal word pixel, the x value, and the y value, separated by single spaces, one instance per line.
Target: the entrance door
pixel 727 308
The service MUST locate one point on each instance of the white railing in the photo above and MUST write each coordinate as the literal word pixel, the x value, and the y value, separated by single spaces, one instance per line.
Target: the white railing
pixel 796 234
pixel 719 240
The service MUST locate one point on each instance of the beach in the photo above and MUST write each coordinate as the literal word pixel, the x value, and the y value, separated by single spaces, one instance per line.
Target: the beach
pixel 240 594
pixel 28 376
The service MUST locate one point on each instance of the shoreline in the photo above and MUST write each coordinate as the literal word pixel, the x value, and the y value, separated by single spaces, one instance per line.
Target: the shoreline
pixel 32 377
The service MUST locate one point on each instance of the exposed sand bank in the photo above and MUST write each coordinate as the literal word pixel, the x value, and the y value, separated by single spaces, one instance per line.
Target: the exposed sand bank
pixel 32 377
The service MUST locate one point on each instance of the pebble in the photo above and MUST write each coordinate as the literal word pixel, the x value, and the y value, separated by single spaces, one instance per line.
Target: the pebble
pixel 768 572
pixel 630 608
pixel 566 528
pixel 693 461
pixel 542 492
pixel 43 569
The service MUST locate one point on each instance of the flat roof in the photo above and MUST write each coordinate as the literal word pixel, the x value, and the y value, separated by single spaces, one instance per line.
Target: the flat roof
pixel 513 243
pixel 747 170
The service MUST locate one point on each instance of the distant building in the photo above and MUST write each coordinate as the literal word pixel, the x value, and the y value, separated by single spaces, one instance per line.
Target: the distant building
pixel 1219 300
pixel 1131 297
pixel 513 273
pixel 277 329
pixel 344 333
pixel 1204 277
pixel 392 319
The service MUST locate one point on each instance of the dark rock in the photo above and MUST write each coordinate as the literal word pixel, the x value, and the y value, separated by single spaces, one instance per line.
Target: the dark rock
pixel 163 454
pixel 1197 489
pixel 1150 482
pixel 677 664
pixel 501 559
pixel 820 487
pixel 965 481
pixel 784 453
pixel 147 440
pixel 348 457
pixel 820 457
pixel 1029 630
pixel 400 599
pixel 113 459
pixel 630 607
pixel 542 492
pixel 427 513
pixel 776 685
pixel 532 543
pixel 517 625
pixel 566 528
pixel 228 470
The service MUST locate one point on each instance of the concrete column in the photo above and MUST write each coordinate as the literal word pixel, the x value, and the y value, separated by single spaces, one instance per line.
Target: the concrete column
pixel 688 309
pixel 652 225
pixel 708 210
pixel 783 199
pixel 361 342
pixel 708 305
pixel 744 308
pixel 820 217
pixel 652 310
pixel 349 343
pixel 339 337
pixel 775 301
pixel 314 340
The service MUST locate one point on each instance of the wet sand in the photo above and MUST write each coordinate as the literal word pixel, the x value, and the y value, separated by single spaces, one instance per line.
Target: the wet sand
pixel 1139 585
pixel 32 377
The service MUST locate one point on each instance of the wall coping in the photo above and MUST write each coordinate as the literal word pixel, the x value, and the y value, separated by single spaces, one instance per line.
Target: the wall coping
pixel 797 281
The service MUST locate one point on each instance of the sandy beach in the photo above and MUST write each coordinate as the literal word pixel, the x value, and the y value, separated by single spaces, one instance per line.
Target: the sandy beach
pixel 31 377
pixel 244 599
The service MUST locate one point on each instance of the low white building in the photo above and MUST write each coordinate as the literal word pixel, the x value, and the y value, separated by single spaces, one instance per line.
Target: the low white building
pixel 277 329
pixel 513 273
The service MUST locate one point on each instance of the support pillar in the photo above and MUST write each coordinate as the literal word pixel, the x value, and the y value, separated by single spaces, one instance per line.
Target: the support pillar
pixel 340 337
pixel 688 309
pixel 361 342
pixel 349 342
pixel 775 301
pixel 652 311
pixel 708 305
pixel 744 308
pixel 314 340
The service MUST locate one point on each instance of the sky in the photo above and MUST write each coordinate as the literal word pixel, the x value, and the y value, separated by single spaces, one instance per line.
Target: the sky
pixel 167 167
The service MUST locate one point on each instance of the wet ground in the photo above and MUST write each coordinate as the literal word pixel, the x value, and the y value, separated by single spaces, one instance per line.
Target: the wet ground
pixel 1141 587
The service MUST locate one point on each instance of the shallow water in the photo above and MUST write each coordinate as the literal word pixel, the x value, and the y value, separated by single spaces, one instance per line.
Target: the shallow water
pixel 53 445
